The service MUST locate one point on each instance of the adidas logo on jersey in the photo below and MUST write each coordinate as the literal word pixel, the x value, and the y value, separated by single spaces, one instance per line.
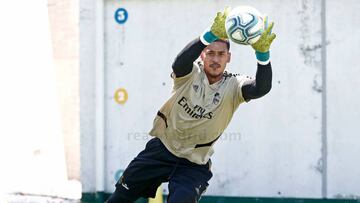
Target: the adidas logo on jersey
pixel 196 88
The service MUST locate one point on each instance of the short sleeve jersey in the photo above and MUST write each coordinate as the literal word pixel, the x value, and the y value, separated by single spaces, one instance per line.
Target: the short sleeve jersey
pixel 197 113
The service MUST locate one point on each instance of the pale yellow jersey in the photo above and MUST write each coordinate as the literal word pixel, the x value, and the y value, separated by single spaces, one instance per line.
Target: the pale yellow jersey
pixel 197 113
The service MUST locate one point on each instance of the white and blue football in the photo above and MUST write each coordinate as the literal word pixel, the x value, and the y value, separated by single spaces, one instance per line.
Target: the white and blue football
pixel 244 25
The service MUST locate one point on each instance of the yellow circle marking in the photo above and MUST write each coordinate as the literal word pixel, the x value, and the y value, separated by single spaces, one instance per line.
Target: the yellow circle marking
pixel 121 96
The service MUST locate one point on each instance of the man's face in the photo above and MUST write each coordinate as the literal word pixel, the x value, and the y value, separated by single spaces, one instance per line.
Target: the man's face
pixel 215 57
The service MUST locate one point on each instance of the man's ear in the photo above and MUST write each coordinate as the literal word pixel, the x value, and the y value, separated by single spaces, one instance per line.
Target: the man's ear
pixel 229 57
pixel 202 55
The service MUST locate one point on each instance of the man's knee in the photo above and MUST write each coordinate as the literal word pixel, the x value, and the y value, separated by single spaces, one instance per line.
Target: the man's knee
pixel 182 197
pixel 185 195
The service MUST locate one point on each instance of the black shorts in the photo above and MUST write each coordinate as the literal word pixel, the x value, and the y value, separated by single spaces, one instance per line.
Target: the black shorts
pixel 154 165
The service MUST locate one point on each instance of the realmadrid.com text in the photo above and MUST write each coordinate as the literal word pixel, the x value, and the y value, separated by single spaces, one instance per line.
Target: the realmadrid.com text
pixel 144 136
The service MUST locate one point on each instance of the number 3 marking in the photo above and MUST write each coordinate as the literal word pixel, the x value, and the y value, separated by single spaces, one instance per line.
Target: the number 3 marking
pixel 121 15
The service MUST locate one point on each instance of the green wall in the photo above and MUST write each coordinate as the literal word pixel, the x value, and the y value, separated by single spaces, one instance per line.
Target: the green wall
pixel 101 197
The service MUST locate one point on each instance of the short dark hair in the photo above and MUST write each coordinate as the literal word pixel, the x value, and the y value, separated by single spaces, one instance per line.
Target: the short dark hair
pixel 224 41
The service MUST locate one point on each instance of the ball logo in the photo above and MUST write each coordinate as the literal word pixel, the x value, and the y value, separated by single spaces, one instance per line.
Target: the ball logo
pixel 121 15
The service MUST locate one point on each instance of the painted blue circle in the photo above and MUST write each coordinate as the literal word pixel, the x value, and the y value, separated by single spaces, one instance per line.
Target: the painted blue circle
pixel 118 174
pixel 121 15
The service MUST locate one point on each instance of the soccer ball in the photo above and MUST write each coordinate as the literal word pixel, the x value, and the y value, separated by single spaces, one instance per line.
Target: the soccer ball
pixel 244 25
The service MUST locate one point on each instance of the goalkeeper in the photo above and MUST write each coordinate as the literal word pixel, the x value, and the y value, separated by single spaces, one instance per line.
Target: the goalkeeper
pixel 204 98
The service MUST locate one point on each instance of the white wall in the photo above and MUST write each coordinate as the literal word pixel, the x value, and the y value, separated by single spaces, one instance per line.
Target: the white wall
pixel 31 143
pixel 273 145
pixel 87 95
pixel 343 98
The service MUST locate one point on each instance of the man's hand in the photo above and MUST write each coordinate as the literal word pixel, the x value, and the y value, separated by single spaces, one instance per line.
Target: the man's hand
pixel 266 38
pixel 218 26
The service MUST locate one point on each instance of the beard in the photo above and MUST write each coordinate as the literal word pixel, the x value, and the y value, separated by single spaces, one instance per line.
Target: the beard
pixel 215 65
pixel 214 70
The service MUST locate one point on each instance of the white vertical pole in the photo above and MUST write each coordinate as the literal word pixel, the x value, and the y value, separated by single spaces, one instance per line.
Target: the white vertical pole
pixel 324 149
pixel 99 100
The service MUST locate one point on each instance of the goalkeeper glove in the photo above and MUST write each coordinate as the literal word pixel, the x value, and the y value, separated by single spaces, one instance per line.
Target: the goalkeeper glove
pixel 217 30
pixel 262 46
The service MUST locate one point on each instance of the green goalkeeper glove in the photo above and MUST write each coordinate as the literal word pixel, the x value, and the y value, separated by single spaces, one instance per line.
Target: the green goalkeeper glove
pixel 262 46
pixel 217 30
pixel 218 26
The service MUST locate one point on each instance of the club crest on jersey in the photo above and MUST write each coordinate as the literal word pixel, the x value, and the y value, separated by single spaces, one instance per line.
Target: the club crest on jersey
pixel 216 99
pixel 196 88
